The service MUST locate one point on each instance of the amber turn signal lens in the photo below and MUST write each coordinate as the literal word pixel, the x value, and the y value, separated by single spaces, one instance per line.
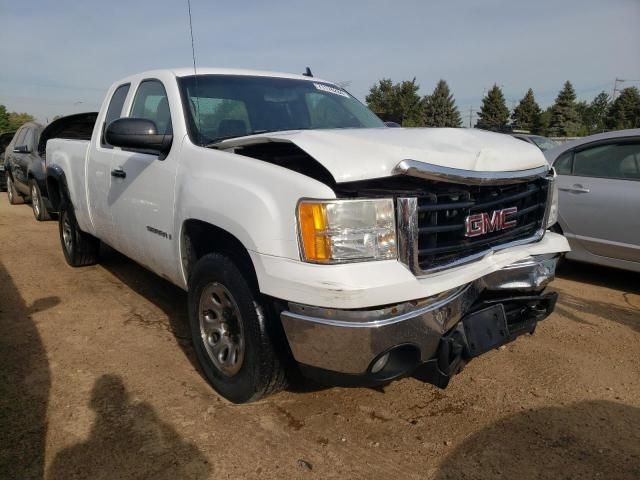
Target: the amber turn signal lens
pixel 313 225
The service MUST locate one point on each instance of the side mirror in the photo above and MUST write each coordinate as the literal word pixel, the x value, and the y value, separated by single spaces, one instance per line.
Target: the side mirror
pixel 21 149
pixel 137 134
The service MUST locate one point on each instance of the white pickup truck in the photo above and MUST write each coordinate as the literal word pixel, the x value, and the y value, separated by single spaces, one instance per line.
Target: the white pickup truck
pixel 308 235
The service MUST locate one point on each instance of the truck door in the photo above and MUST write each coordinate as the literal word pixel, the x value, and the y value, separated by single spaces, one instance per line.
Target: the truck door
pixel 99 168
pixel 142 189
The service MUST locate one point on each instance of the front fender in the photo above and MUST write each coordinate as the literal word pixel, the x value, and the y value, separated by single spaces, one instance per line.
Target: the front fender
pixel 252 200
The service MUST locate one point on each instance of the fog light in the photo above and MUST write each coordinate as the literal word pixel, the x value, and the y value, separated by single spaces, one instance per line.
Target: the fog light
pixel 379 364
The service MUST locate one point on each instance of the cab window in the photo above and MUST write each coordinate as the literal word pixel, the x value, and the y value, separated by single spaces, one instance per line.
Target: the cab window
pixel 151 102
pixel 115 108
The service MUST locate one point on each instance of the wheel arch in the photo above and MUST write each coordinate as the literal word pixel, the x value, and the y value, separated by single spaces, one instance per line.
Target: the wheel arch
pixel 199 238
pixel 57 189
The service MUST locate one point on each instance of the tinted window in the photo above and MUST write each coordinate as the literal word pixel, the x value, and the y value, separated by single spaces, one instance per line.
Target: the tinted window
pixel 151 103
pixel 609 161
pixel 20 137
pixel 563 163
pixel 115 107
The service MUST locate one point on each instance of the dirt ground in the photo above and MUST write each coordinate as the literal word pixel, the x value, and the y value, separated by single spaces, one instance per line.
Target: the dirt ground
pixel 98 381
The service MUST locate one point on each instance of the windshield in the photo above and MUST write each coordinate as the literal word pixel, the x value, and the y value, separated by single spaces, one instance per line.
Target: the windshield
pixel 227 106
pixel 544 143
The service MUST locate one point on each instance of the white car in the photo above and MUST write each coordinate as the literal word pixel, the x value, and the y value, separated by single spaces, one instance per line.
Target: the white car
pixel 305 231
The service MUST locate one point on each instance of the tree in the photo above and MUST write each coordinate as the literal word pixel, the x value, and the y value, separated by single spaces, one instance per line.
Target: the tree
pixel 624 112
pixel 527 114
pixel 584 114
pixel 398 102
pixel 564 121
pixel 4 120
pixel 440 108
pixel 545 118
pixel 494 113
pixel 596 120
pixel 16 120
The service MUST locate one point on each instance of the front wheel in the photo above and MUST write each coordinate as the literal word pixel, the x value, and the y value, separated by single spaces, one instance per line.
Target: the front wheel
pixel 233 339
pixel 39 209
pixel 14 197
pixel 79 248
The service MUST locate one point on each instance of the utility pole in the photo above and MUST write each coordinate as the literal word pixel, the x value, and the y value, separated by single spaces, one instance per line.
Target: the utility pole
pixel 615 86
pixel 470 116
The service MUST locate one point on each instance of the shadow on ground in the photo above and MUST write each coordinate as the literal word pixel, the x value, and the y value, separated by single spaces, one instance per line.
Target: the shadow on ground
pixel 127 440
pixel 628 283
pixel 173 302
pixel 587 440
pixel 162 293
pixel 25 381
pixel 613 278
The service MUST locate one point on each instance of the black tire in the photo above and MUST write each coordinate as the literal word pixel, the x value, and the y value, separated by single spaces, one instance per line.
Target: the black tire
pixel 262 370
pixel 79 248
pixel 40 211
pixel 14 197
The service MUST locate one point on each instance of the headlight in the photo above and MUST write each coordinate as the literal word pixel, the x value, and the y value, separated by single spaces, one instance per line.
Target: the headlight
pixel 552 213
pixel 338 231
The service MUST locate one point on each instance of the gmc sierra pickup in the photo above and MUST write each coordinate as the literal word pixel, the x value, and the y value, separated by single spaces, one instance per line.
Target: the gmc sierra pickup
pixel 308 234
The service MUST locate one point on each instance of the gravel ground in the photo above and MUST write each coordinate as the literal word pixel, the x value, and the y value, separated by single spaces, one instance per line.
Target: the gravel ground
pixel 98 381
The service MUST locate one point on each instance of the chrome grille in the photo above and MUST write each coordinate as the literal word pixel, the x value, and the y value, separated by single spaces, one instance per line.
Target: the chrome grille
pixel 432 224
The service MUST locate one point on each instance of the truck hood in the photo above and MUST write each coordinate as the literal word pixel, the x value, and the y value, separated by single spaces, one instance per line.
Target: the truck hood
pixel 366 153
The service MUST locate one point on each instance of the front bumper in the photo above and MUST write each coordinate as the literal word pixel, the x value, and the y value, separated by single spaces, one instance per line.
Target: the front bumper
pixel 349 343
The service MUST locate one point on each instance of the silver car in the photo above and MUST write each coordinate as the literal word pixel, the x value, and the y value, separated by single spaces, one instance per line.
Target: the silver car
pixel 599 197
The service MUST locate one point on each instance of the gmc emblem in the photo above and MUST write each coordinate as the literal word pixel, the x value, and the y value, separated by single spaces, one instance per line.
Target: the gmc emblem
pixel 481 223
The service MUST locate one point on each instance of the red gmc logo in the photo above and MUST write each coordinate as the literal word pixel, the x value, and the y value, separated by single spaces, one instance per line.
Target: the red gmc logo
pixel 481 223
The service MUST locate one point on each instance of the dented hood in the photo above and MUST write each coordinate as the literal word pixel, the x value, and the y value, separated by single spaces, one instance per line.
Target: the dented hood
pixel 360 154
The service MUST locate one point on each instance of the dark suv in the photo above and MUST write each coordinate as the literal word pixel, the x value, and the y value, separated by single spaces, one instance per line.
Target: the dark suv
pixel 5 140
pixel 25 170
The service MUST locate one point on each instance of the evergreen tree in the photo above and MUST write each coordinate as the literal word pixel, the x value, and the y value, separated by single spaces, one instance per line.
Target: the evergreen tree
pixel 398 102
pixel 527 114
pixel 494 113
pixel 545 118
pixel 584 116
pixel 5 124
pixel 564 120
pixel 625 110
pixel 440 108
pixel 598 109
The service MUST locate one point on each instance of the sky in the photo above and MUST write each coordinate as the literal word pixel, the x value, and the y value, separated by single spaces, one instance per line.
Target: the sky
pixel 59 57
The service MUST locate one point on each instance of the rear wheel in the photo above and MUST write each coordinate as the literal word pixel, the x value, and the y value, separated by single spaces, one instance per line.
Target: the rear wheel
pixel 14 197
pixel 39 209
pixel 79 248
pixel 232 337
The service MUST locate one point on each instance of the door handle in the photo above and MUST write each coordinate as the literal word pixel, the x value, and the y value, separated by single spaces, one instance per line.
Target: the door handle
pixel 575 189
pixel 118 173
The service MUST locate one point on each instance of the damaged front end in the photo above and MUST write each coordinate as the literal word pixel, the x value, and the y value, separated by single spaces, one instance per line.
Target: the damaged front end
pixel 431 339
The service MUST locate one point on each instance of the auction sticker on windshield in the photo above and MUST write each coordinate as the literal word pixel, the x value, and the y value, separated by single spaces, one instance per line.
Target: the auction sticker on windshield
pixel 334 90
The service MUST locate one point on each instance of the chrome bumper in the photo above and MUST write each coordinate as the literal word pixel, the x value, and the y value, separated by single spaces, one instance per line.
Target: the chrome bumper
pixel 349 341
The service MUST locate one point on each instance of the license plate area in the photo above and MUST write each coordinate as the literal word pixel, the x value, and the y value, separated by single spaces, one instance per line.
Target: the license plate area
pixel 486 329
